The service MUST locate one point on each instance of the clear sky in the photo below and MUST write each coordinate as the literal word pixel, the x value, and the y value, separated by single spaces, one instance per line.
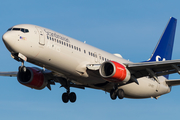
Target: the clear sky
pixel 131 28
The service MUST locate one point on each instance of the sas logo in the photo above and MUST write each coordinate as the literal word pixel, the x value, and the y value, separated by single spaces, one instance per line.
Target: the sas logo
pixel 158 58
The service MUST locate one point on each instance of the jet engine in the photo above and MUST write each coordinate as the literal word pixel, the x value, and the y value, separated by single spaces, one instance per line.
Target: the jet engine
pixel 33 78
pixel 114 72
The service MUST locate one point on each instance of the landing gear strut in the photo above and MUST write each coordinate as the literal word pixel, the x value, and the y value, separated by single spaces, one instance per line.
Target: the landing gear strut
pixel 117 93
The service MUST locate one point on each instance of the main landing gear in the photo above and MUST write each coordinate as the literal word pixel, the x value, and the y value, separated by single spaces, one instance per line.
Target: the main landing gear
pixel 67 96
pixel 117 93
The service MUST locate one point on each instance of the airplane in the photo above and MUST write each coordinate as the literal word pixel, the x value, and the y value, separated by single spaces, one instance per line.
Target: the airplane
pixel 72 63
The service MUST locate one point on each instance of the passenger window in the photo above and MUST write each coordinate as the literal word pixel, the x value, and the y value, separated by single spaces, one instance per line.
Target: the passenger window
pixel 47 37
pixel 84 51
pixel 80 49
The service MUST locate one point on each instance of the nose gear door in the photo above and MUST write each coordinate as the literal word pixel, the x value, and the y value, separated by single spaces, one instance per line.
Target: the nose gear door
pixel 41 36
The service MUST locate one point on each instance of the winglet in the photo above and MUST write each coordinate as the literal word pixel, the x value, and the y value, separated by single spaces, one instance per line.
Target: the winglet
pixel 164 47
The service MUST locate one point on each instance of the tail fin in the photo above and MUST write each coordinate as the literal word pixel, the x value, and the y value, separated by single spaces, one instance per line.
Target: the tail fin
pixel 164 47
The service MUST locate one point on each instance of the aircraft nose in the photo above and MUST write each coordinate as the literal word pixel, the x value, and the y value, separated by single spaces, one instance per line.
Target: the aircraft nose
pixel 9 40
pixel 6 37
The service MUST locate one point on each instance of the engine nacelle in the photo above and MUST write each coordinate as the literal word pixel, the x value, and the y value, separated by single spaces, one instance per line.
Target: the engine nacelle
pixel 114 72
pixel 33 78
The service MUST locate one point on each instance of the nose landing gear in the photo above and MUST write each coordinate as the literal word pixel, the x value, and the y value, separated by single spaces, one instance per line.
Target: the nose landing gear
pixel 22 68
pixel 20 58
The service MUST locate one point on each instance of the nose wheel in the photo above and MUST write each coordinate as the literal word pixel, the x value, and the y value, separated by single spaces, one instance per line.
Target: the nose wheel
pixel 22 68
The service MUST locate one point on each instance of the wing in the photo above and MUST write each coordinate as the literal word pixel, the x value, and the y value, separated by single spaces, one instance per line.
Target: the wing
pixel 11 74
pixel 158 68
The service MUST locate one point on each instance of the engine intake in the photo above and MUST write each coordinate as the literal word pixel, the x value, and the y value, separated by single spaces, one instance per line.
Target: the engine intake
pixel 114 72
pixel 33 78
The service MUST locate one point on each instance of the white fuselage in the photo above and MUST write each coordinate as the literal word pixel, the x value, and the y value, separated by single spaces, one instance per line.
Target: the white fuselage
pixel 65 55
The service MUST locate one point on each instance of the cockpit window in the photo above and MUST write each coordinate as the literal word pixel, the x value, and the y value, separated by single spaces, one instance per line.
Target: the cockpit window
pixel 9 29
pixel 19 29
pixel 24 30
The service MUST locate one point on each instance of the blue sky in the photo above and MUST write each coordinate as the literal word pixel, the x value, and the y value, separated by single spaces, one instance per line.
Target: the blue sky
pixel 131 28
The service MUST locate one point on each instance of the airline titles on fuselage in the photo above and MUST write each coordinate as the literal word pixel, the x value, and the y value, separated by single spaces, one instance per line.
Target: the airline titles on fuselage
pixel 57 36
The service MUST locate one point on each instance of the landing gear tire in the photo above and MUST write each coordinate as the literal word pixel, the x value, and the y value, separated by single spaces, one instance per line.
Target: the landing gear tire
pixel 65 97
pixel 120 93
pixel 22 69
pixel 113 94
pixel 72 97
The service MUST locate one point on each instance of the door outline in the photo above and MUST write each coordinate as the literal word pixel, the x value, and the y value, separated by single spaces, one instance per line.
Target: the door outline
pixel 41 36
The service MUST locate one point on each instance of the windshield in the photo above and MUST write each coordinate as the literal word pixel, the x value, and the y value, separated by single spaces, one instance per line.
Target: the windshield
pixel 19 29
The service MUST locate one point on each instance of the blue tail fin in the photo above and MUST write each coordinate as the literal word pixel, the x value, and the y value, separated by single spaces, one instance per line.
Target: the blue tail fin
pixel 164 47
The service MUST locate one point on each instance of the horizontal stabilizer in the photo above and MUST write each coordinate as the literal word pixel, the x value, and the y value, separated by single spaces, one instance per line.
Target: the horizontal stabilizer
pixel 173 82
